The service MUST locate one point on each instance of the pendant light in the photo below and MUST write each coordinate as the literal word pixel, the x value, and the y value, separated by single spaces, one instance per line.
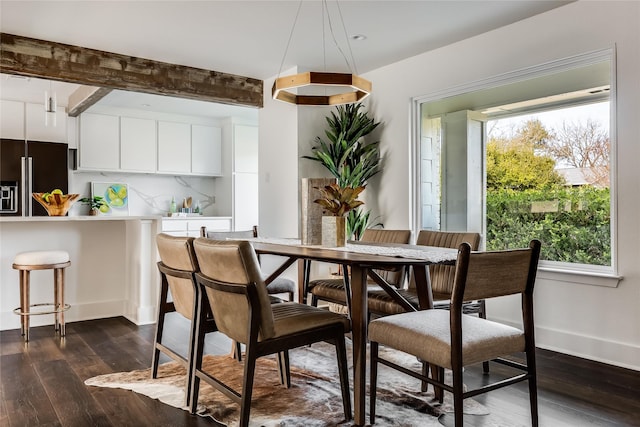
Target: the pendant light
pixel 352 88
pixel 50 107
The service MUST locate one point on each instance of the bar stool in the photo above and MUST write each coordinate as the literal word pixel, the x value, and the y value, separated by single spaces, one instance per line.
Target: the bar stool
pixel 26 262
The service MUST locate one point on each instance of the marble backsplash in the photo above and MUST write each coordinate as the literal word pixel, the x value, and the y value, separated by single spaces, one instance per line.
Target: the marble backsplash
pixel 151 194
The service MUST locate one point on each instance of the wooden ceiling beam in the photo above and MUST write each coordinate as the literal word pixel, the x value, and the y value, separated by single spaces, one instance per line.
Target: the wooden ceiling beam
pixel 83 98
pixel 56 61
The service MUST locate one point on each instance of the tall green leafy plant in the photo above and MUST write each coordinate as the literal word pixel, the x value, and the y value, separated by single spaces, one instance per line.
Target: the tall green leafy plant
pixel 345 153
pixel 349 158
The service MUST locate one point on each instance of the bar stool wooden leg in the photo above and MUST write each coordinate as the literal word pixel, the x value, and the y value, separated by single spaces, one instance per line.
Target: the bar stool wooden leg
pixel 59 281
pixel 24 302
pixel 56 301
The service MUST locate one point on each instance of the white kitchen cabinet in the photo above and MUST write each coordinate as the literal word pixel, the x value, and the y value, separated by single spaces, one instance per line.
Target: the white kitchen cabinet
pixel 99 145
pixel 245 176
pixel 245 149
pixel 137 145
pixel 190 226
pixel 38 131
pixel 12 119
pixel 206 150
pixel 14 122
pixel 174 147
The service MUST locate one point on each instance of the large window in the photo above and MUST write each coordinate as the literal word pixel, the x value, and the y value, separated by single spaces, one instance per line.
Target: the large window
pixel 527 156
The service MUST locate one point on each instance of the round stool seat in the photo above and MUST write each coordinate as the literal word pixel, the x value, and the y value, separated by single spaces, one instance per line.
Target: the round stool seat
pixel 40 258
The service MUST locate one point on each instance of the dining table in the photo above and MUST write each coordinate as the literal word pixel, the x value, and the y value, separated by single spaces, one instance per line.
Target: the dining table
pixel 362 260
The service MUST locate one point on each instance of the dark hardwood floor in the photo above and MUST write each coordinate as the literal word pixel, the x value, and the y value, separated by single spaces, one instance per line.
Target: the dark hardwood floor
pixel 43 382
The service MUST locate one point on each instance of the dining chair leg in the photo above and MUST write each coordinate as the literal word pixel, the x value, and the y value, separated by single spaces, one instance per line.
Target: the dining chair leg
pixel 284 368
pixel 533 387
pixel 457 396
pixel 373 379
pixel 343 371
pixel 482 313
pixel 306 277
pixel 236 351
pixel 198 352
pixel 425 372
pixel 347 287
pixel 439 391
pixel 164 291
pixel 247 386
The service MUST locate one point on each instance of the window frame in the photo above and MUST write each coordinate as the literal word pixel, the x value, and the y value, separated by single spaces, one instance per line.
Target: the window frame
pixel 553 270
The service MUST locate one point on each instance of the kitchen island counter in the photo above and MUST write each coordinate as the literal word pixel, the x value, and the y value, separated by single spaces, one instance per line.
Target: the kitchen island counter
pixel 113 268
pixel 78 218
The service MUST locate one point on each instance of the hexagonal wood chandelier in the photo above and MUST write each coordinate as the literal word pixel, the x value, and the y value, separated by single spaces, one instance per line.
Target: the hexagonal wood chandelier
pixel 345 88
pixel 356 88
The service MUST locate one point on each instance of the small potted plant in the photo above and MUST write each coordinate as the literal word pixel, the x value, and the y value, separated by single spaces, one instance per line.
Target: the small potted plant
pixel 338 201
pixel 95 203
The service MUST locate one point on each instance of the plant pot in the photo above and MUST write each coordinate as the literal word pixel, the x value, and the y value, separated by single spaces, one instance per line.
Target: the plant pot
pixel 334 231
pixel 93 212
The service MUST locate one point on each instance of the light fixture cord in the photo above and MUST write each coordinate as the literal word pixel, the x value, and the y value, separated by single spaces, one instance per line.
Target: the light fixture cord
pixel 295 21
pixel 336 42
pixel 346 36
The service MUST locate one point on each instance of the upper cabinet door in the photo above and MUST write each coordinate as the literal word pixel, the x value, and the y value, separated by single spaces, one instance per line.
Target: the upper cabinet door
pixel 99 146
pixel 137 144
pixel 12 119
pixel 245 148
pixel 206 150
pixel 174 147
pixel 37 130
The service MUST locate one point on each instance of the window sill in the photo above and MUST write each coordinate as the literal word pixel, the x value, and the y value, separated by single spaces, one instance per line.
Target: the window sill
pixel 582 277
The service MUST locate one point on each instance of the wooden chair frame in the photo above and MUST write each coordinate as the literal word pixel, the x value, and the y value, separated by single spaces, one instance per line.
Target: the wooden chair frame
pixel 333 333
pixel 456 312
pixel 164 307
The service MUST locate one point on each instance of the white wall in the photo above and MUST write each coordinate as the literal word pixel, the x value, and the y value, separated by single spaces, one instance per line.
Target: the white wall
pixel 595 322
pixel 278 161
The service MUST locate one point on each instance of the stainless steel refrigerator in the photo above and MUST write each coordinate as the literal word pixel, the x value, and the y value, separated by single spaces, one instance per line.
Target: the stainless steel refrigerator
pixel 30 167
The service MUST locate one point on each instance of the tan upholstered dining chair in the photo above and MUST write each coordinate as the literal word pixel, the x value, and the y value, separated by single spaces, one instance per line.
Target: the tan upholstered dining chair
pixel 280 285
pixel 232 283
pixel 441 276
pixel 338 290
pixel 178 293
pixel 453 340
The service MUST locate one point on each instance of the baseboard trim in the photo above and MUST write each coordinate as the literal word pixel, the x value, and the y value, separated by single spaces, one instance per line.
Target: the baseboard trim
pixel 77 313
pixel 624 355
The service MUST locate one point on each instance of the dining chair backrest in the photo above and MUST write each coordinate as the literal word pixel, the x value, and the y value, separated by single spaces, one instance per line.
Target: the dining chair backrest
pixel 381 235
pixel 224 235
pixel 177 253
pixel 491 274
pixel 442 275
pixel 234 262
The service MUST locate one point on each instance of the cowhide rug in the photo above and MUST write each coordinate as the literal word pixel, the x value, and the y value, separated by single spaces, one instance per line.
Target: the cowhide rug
pixel 314 399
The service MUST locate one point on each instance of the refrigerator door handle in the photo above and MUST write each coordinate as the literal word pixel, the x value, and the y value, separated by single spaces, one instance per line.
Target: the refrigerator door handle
pixel 26 164
pixel 23 184
pixel 30 183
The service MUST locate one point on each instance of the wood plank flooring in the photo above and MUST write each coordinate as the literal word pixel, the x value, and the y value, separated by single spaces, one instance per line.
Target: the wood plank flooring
pixel 42 382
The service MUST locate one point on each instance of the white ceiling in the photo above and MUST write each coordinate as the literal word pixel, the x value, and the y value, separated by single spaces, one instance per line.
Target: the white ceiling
pixel 249 38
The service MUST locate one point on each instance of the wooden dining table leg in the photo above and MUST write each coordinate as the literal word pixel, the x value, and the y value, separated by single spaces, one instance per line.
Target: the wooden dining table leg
pixel 359 338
